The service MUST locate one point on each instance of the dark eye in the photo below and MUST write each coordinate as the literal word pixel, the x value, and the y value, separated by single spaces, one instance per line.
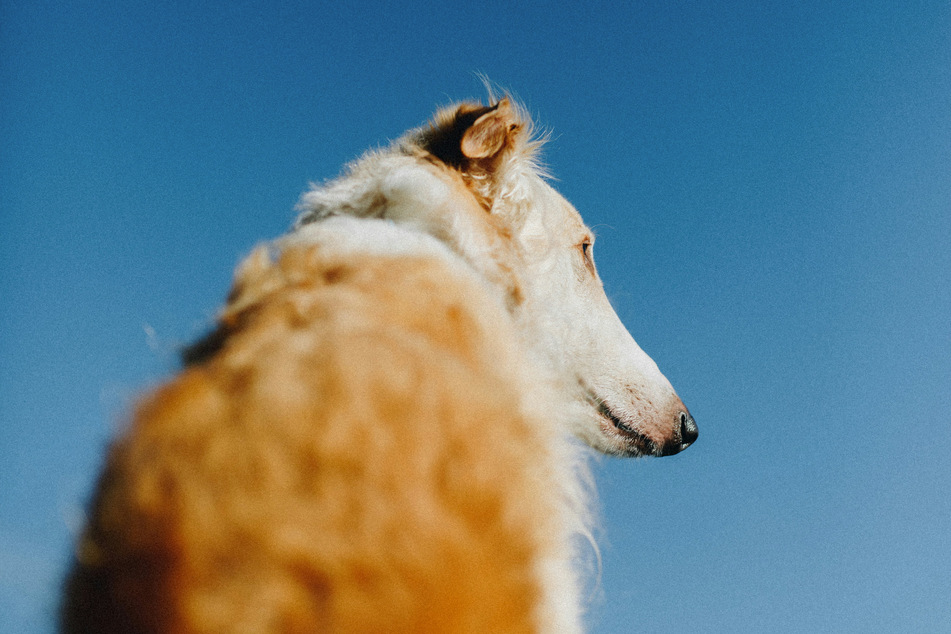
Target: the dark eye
pixel 586 248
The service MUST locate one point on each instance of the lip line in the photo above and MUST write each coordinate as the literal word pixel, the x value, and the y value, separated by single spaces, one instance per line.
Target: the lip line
pixel 640 442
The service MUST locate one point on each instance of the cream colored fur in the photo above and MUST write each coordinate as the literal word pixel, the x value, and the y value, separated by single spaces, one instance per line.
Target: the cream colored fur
pixel 378 437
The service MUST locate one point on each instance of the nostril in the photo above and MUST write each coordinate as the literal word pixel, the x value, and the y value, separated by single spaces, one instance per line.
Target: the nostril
pixel 677 443
pixel 688 429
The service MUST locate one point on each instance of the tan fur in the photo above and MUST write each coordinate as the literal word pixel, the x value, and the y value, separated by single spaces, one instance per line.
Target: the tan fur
pixel 376 437
pixel 346 463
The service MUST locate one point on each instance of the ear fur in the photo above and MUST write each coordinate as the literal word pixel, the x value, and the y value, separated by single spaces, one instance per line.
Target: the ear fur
pixel 487 136
pixel 469 133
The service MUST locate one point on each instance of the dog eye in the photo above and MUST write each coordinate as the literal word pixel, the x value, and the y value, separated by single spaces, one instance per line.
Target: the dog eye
pixel 586 247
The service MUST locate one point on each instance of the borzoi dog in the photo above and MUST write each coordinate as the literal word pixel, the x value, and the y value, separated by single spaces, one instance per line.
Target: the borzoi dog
pixel 377 436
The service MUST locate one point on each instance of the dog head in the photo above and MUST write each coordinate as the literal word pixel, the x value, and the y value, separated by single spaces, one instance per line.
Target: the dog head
pixel 471 179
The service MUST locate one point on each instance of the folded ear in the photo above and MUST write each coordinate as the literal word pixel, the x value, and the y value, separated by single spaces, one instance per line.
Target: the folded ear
pixel 488 134
pixel 468 134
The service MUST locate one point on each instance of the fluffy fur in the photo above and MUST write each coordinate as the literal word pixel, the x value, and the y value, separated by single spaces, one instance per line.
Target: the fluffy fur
pixel 377 435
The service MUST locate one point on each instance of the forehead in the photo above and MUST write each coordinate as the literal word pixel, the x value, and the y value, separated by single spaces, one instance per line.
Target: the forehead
pixel 546 217
pixel 560 212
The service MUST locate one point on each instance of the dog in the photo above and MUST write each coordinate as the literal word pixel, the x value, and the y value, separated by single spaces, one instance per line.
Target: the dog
pixel 380 433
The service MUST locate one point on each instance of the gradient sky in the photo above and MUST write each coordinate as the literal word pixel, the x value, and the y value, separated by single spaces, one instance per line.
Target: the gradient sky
pixel 771 187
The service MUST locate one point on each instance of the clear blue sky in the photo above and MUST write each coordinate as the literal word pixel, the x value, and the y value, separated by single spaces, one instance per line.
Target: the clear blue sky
pixel 771 186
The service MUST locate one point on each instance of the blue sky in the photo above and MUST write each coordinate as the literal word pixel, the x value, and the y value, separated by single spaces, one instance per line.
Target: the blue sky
pixel 771 187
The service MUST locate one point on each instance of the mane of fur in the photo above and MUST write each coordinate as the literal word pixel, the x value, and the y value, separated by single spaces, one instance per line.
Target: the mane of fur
pixel 357 193
pixel 508 192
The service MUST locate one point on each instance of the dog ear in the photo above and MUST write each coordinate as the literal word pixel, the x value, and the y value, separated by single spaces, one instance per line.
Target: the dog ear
pixel 489 133
pixel 469 133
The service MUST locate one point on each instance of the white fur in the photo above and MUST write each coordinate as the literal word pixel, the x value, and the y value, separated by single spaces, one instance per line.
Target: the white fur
pixel 566 317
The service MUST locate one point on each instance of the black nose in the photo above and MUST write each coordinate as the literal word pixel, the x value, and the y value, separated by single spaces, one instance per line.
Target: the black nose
pixel 688 434
pixel 688 430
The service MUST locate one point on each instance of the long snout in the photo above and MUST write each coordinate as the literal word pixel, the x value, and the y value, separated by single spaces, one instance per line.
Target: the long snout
pixel 685 435
pixel 638 411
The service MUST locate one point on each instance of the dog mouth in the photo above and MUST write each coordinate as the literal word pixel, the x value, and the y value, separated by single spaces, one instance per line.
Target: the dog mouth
pixel 637 443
